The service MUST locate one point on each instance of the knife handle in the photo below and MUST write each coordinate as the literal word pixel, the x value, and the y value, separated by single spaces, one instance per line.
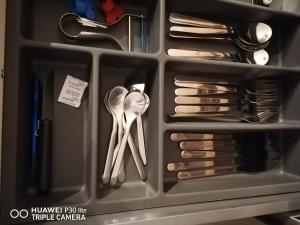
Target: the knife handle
pixel 201 109
pixel 198 54
pixel 196 92
pixel 198 136
pixel 198 30
pixel 177 18
pixel 44 157
pixel 207 154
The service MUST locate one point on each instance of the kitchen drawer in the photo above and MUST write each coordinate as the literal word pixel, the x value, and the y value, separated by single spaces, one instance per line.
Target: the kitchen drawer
pixel 80 136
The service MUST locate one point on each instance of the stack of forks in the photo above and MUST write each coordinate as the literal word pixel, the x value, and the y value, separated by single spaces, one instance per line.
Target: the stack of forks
pixel 226 101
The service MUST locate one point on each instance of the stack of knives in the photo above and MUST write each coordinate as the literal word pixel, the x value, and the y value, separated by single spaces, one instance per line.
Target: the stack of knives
pixel 209 154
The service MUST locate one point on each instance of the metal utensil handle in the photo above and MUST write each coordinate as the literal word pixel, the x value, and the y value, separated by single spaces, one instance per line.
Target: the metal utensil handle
pixel 109 157
pixel 198 54
pixel 194 21
pixel 141 140
pixel 198 30
pixel 120 135
pixel 137 159
pixel 122 176
pixel 117 165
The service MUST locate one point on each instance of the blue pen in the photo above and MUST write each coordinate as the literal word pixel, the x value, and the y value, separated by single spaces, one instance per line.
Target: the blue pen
pixel 36 117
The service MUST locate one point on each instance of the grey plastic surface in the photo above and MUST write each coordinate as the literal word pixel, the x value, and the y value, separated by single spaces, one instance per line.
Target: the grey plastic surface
pixel 34 45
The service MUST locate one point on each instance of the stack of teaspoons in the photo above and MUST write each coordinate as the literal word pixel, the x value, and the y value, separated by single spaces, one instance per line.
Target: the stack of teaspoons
pixel 205 155
pixel 125 107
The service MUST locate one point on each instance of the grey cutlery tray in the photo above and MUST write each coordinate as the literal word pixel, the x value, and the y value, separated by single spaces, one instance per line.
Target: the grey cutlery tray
pixel 80 136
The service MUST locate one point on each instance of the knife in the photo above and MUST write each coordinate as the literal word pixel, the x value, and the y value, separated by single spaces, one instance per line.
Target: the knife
pixel 177 18
pixel 200 54
pixel 207 154
pixel 208 86
pixel 45 147
pixel 203 101
pixel 207 144
pixel 201 109
pixel 196 92
pixel 198 137
pixel 198 30
pixel 180 166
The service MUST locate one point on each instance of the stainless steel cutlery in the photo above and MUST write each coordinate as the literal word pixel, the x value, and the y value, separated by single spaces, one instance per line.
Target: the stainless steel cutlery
pixel 212 154
pixel 259 57
pixel 213 100
pixel 125 107
pixel 252 38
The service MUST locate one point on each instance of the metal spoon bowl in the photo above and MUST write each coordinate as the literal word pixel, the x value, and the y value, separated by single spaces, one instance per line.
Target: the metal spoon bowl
pixel 254 33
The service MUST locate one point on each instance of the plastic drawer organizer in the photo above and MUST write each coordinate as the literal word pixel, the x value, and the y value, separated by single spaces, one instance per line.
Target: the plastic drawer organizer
pixel 80 136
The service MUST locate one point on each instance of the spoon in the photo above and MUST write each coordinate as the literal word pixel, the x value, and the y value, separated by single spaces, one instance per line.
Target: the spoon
pixel 253 34
pixel 260 57
pixel 134 105
pixel 250 36
pixel 140 87
pixel 115 102
pixel 136 155
pixel 108 162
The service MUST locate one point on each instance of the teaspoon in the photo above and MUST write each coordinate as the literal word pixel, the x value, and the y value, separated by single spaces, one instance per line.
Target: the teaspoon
pixel 115 102
pixel 134 105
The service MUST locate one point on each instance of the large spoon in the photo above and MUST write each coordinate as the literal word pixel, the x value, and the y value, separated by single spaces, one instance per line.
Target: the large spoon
pixel 250 36
pixel 134 105
pixel 260 57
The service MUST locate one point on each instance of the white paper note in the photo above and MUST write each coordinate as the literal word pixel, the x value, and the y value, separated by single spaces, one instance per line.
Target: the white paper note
pixel 72 91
